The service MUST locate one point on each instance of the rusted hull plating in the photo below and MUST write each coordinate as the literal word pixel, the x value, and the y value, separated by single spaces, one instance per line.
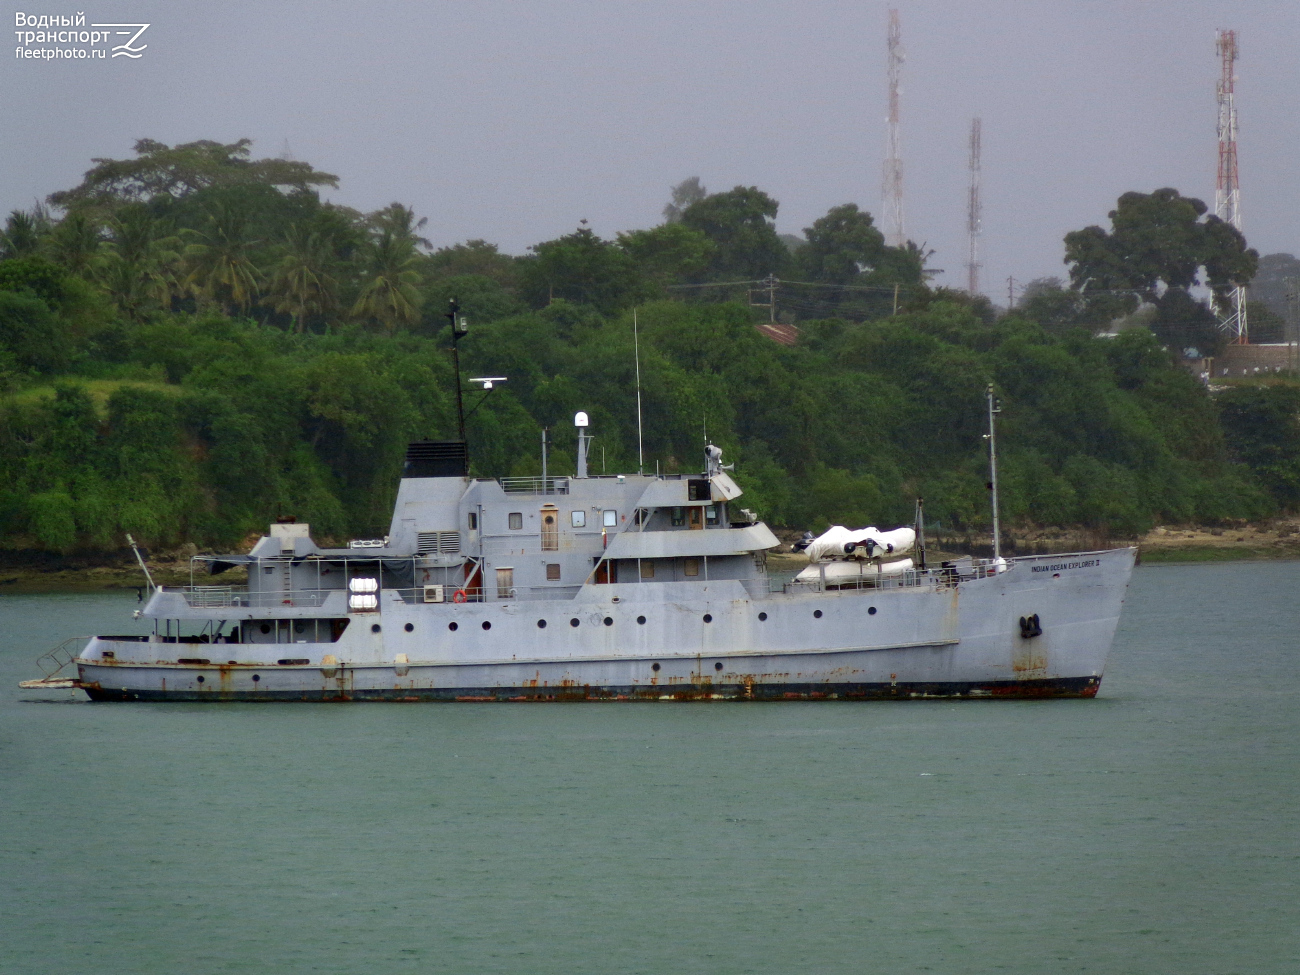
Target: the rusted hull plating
pixel 1077 687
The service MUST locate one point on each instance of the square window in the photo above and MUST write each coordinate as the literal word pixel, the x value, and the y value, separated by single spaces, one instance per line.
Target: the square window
pixel 711 514
pixel 578 519
pixel 516 520
pixel 679 517
pixel 647 570
pixel 690 567
pixel 552 571
pixel 473 521
pixel 610 519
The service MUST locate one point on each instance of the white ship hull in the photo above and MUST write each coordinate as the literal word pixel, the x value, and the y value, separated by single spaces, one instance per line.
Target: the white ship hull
pixel 925 635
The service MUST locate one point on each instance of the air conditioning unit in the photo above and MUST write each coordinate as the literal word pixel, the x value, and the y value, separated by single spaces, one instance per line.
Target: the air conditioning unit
pixel 434 594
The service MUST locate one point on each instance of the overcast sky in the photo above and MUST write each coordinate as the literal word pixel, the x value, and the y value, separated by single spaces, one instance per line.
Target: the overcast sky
pixel 513 121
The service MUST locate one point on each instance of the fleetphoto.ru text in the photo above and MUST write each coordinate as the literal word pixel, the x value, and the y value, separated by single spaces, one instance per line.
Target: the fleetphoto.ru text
pixel 58 37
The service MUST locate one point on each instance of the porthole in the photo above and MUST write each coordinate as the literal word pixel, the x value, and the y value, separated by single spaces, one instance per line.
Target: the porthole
pixel 541 624
pixel 487 624
pixel 609 621
pixel 574 622
pixel 453 626
pixel 641 620
pixel 655 667
pixel 762 617
pixel 256 678
pixel 718 665
pixel 817 614
pixel 265 627
pixel 871 611
pixel 409 627
pixel 199 678
pixel 708 617
pixel 374 627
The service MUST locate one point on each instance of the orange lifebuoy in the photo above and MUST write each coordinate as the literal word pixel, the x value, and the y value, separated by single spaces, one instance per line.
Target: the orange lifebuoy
pixel 459 596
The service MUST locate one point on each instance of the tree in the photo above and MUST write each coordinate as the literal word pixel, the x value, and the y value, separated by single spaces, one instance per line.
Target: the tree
pixel 580 267
pixel 1157 241
pixel 22 235
pixel 685 193
pixel 669 252
pixel 176 171
pixel 841 246
pixel 76 242
pixel 741 224
pixel 303 284
pixel 390 293
pixel 220 258
pixel 1262 424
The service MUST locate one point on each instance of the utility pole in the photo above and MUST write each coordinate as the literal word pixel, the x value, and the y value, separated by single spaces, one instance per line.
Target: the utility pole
pixel 768 284
pixel 974 213
pixel 1227 186
pixel 892 190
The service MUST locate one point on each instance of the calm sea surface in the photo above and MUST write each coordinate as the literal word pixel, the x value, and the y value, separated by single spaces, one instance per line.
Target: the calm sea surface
pixel 1155 829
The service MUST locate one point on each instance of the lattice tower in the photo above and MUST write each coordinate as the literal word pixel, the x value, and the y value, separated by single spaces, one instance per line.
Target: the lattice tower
pixel 892 190
pixel 974 213
pixel 1227 187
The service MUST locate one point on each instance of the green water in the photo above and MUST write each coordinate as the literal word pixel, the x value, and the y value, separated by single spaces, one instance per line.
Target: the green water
pixel 1155 829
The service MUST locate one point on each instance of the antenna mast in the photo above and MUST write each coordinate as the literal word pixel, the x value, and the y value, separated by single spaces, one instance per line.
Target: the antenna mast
pixel 1227 187
pixel 974 213
pixel 992 437
pixel 892 190
pixel 636 347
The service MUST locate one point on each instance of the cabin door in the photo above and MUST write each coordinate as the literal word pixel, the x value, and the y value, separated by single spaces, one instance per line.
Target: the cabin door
pixel 550 528
pixel 696 518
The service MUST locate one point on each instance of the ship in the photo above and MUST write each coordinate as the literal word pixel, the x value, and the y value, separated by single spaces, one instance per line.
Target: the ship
pixel 630 587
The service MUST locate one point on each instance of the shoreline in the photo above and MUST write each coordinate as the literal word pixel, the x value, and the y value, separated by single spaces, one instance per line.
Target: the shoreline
pixel 29 573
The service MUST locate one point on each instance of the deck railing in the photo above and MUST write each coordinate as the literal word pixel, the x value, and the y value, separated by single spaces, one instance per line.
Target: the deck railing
pixel 534 485
pixel 220 597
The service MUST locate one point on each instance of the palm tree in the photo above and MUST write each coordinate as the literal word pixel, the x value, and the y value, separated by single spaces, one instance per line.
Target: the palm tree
pixel 139 265
pixel 22 234
pixel 76 241
pixel 389 294
pixel 221 266
pixel 401 221
pixel 303 283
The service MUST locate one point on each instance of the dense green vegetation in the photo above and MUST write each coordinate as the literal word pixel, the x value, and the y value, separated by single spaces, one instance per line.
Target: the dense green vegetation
pixel 199 344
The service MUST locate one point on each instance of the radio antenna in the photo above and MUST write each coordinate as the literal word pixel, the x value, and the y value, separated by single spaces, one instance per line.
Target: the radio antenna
pixel 636 353
pixel 991 436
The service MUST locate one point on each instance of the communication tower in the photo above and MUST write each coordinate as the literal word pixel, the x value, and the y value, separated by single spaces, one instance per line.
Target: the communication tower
pixel 974 213
pixel 892 190
pixel 1227 188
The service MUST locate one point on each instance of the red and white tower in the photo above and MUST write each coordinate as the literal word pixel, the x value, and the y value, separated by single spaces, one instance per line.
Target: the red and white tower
pixel 892 191
pixel 974 213
pixel 1227 189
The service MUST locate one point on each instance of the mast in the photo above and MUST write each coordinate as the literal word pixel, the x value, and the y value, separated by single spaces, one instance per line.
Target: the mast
pixel 892 190
pixel 974 212
pixel 1227 189
pixel 991 436
pixel 636 347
